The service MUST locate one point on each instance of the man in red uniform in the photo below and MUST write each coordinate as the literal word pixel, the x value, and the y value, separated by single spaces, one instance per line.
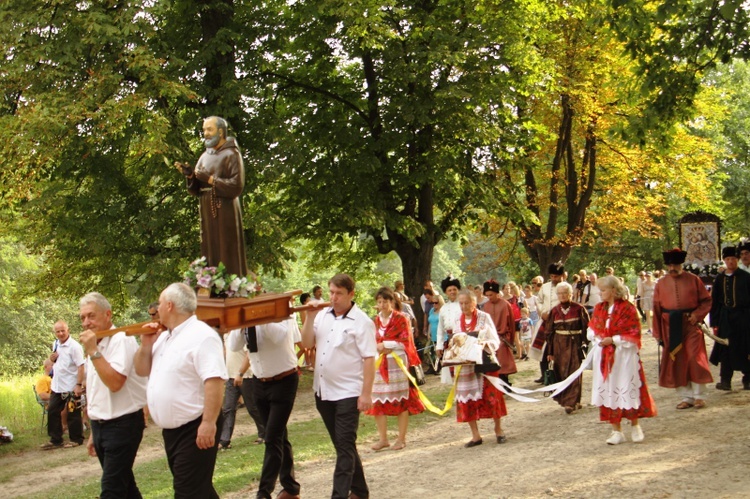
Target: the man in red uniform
pixel 681 302
pixel 502 316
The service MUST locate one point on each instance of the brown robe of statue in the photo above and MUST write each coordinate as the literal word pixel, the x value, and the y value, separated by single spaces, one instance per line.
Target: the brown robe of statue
pixel 222 235
pixel 683 292
pixel 502 316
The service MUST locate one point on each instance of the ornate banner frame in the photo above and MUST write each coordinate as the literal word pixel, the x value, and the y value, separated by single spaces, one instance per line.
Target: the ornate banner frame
pixel 700 236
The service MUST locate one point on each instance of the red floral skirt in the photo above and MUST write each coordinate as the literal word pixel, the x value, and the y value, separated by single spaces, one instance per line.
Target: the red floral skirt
pixel 411 404
pixel 490 406
pixel 646 410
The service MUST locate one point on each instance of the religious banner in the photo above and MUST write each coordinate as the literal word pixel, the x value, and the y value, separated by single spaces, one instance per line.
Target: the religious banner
pixel 700 237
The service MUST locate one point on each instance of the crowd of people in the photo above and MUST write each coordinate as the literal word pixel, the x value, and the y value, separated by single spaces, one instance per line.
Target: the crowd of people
pixel 470 336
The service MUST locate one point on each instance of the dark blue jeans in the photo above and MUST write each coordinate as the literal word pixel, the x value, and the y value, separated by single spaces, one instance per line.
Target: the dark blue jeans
pixel 275 401
pixel 341 418
pixel 116 442
pixel 229 409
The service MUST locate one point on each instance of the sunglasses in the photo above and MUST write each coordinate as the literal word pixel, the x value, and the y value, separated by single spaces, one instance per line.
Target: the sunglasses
pixel 153 314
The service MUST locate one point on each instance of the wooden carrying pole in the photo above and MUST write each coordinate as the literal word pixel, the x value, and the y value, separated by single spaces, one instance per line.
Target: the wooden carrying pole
pixel 226 314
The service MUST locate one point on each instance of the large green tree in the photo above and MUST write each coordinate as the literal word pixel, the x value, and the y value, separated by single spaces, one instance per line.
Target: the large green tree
pixel 386 119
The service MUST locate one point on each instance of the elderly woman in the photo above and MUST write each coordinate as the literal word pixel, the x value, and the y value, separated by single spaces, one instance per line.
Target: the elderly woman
pixel 392 394
pixel 476 398
pixel 565 329
pixel 619 385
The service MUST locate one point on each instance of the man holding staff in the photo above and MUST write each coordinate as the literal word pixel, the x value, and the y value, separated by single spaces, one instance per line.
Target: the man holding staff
pixel 681 302
pixel 116 396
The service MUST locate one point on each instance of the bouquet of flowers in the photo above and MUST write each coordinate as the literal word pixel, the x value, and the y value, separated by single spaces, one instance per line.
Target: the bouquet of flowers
pixel 220 283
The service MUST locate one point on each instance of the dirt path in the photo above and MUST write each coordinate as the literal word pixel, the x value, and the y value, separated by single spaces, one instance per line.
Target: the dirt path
pixel 702 453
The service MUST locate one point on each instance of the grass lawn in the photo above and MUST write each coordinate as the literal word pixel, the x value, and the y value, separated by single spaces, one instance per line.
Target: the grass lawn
pixel 236 469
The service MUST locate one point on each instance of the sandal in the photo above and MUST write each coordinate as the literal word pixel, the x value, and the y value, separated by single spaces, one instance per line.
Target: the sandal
pixel 70 445
pixel 380 446
pixel 50 446
pixel 684 405
pixel 398 446
pixel 700 404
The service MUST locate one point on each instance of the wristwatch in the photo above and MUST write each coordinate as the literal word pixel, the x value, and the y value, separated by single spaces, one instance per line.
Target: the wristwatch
pixel 96 355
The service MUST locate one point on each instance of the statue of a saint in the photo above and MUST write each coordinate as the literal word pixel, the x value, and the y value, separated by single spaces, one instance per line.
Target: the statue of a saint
pixel 218 179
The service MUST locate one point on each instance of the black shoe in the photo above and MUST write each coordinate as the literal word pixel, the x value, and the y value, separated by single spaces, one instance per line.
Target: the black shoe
pixel 473 443
pixel 724 386
pixel 539 380
pixel 501 439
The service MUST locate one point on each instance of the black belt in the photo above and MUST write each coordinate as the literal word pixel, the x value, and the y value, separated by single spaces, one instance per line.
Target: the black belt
pixel 125 417
pixel 280 376
pixel 675 329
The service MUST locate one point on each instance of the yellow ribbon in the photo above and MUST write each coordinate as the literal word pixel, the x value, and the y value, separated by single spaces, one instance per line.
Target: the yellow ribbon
pixel 428 405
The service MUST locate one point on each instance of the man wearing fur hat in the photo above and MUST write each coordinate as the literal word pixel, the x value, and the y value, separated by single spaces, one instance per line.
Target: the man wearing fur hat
pixel 744 251
pixel 730 319
pixel 501 312
pixel 681 302
pixel 449 313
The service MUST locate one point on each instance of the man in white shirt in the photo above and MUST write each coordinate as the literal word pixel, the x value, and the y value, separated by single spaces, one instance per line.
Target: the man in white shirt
pixel 595 296
pixel 449 314
pixel 344 373
pixel 186 370
pixel 67 386
pixel 274 388
pixel 116 396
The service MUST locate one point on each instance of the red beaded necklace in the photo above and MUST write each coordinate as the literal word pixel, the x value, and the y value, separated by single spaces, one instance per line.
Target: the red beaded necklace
pixel 471 325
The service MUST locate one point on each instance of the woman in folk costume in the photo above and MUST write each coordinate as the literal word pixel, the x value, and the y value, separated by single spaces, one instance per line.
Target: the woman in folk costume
pixel 565 328
pixel 392 394
pixel 477 398
pixel 619 384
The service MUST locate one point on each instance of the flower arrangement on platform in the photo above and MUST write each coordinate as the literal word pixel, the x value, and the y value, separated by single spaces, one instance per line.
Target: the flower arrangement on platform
pixel 708 270
pixel 218 282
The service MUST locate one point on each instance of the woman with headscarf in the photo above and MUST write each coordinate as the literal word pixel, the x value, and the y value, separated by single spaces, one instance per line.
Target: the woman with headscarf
pixel 392 394
pixel 619 385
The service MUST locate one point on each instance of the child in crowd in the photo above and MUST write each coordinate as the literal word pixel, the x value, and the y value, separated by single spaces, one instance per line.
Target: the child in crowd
pixel 527 326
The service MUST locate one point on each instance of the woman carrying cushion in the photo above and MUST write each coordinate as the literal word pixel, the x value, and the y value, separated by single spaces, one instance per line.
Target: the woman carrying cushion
pixel 476 397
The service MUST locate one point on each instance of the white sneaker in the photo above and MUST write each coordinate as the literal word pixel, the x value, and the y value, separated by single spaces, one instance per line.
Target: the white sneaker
pixel 615 438
pixel 636 433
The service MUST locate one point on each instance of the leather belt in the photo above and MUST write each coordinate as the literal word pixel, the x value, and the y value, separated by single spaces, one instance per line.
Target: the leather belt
pixel 281 375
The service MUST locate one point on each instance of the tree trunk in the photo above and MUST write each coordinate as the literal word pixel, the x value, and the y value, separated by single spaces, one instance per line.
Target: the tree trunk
pixel 416 263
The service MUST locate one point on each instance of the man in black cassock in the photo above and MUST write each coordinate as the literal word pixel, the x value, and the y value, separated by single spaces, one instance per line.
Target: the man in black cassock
pixel 730 319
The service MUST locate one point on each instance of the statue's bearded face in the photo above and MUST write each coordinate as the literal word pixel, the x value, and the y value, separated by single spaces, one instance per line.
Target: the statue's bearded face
pixel 211 133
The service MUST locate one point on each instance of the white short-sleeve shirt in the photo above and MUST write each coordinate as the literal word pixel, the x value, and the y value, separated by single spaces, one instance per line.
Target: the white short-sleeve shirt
pixel 103 404
pixel 342 344
pixel 69 359
pixel 182 360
